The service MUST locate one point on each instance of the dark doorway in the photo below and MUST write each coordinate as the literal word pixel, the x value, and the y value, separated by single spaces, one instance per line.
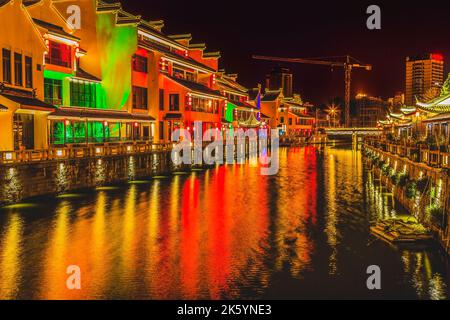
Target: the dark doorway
pixel 23 131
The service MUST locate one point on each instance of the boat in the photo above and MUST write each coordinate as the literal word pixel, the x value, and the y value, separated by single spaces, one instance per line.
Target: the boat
pixel 402 231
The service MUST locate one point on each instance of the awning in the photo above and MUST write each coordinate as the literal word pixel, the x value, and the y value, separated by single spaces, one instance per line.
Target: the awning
pixel 29 103
pixel 3 108
pixel 98 115
pixel 172 116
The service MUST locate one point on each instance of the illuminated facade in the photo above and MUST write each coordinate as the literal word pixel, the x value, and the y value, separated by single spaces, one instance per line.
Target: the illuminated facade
pixel 242 110
pixel 289 115
pixel 423 73
pixel 23 110
pixel 118 79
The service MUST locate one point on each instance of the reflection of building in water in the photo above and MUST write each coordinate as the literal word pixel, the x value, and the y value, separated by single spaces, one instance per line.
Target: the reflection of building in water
pixel 332 218
pixel 428 284
pixel 10 266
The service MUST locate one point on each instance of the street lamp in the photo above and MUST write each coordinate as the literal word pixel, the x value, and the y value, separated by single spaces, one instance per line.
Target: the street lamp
pixel 333 111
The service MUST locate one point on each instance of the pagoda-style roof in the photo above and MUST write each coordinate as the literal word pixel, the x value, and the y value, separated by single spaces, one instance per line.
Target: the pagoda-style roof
pixel 438 105
pixel 408 111
pixel 271 96
pixel 438 118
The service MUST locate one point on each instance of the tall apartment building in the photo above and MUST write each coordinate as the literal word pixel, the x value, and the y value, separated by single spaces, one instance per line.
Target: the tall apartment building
pixel 280 78
pixel 369 110
pixel 423 72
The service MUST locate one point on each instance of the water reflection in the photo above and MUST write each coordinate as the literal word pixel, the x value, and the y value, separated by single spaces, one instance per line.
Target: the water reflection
pixel 10 267
pixel 227 232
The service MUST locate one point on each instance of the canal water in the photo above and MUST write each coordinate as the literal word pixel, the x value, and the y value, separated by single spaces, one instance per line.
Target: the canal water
pixel 222 233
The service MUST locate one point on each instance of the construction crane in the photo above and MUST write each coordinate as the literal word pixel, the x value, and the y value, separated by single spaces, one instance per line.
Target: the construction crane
pixel 348 64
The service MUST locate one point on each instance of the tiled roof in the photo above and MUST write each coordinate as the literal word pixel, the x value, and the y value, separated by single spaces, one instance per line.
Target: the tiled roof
pixel 302 115
pixel 171 55
pixel 80 73
pixel 148 27
pixel 29 102
pixel 229 88
pixel 57 30
pixel 439 117
pixel 196 87
pixel 271 96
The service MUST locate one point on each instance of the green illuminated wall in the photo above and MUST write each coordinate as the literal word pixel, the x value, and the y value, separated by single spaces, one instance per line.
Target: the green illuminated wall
pixel 117 45
pixel 100 94
pixel 229 114
pixel 64 77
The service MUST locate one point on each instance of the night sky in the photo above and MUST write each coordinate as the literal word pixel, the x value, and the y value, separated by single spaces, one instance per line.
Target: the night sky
pixel 309 29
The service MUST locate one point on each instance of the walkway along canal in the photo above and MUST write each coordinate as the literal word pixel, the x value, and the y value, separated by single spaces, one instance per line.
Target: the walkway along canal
pixel 422 189
pixel 26 174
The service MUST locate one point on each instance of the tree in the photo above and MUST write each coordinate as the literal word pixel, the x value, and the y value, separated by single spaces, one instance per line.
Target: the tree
pixel 446 87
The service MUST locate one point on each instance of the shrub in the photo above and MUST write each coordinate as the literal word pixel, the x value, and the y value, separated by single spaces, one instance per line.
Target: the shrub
pixel 436 215
pixel 411 190
pixel 387 170
pixel 395 179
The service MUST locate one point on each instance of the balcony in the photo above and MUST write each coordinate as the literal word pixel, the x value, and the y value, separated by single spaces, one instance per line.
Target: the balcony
pixel 58 62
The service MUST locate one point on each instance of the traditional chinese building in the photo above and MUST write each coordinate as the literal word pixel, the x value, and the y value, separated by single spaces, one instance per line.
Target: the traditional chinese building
pixel 241 111
pixel 23 112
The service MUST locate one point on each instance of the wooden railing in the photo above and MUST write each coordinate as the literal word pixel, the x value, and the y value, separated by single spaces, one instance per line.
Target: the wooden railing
pixel 81 151
pixel 411 151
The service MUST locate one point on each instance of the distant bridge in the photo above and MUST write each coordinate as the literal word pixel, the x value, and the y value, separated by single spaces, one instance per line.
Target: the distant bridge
pixel 353 131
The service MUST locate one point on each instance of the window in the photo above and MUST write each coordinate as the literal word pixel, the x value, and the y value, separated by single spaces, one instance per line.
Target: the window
pixel 6 58
pixel 53 92
pixel 174 102
pixel 161 99
pixel 29 72
pixel 178 73
pixel 140 63
pixel 59 54
pixel 290 121
pixel 161 130
pixel 204 105
pixel 140 98
pixel 190 76
pixel 82 94
pixel 18 77
pixel 282 119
